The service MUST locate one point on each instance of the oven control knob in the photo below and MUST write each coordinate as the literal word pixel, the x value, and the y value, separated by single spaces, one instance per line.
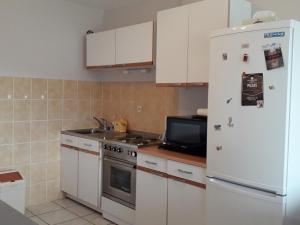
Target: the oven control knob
pixel 119 150
pixel 109 148
pixel 133 154
pixel 114 149
pixel 105 146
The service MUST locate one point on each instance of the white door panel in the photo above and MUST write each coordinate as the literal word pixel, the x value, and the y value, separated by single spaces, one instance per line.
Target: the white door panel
pixel 88 177
pixel 229 204
pixel 199 34
pixel 69 171
pixel 172 45
pixel 253 150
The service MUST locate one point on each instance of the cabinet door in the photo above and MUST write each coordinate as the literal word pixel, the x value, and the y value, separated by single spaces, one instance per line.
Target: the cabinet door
pixel 185 204
pixel 69 171
pixel 88 177
pixel 201 23
pixel 172 45
pixel 101 49
pixel 151 199
pixel 134 44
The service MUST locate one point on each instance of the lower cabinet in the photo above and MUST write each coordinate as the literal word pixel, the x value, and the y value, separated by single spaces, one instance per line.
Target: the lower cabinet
pixel 80 168
pixel 151 199
pixel 88 177
pixel 185 204
pixel 169 192
pixel 69 171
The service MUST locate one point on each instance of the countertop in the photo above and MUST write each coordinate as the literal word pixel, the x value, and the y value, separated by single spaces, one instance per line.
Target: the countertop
pixel 10 216
pixel 175 156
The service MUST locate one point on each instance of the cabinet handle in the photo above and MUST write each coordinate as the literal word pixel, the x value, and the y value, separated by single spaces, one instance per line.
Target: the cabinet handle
pixel 184 171
pixel 151 163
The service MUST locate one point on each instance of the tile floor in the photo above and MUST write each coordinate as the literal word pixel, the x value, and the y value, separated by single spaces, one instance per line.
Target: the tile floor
pixel 64 212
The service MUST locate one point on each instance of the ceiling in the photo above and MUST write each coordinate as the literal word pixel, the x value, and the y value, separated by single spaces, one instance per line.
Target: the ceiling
pixel 105 4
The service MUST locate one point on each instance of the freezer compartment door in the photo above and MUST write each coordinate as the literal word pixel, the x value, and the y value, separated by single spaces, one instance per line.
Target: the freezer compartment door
pixel 248 143
pixel 229 204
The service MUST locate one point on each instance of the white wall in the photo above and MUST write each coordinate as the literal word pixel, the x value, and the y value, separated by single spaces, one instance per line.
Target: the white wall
pixel 285 9
pixel 45 38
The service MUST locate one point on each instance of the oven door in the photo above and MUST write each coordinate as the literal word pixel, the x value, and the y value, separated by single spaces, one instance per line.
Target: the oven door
pixel 119 181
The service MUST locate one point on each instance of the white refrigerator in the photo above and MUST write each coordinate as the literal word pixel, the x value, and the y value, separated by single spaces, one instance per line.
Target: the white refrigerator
pixel 253 160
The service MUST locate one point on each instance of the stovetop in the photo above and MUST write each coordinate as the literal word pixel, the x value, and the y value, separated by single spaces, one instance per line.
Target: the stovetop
pixel 124 146
pixel 136 138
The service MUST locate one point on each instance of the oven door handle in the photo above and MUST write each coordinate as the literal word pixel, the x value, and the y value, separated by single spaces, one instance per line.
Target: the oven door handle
pixel 120 163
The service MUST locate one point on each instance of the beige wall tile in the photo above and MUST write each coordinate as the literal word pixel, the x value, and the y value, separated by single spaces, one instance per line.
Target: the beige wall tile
pixel 37 173
pixel 39 110
pixel 54 109
pixel 111 101
pixel 6 110
pixel 70 89
pixel 21 132
pixel 39 88
pixel 70 124
pixel 6 156
pixel 38 152
pixel 53 170
pixel 55 89
pixel 54 129
pixel 53 150
pixel 21 110
pixel 5 133
pixel 53 190
pixel 38 131
pixel 38 193
pixel 97 110
pixel 70 109
pixel 84 89
pixel 21 154
pixel 22 88
pixel 6 87
pixel 96 90
pixel 84 109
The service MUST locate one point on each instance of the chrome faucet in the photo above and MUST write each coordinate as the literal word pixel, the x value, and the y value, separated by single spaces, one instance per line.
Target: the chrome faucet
pixel 104 124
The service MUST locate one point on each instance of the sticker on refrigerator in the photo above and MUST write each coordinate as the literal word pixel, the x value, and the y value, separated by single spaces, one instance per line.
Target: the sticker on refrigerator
pixel 273 56
pixel 253 90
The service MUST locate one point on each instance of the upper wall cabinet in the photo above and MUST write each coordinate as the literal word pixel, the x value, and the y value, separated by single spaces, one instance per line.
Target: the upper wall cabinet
pixel 134 44
pixel 183 38
pixel 101 49
pixel 130 46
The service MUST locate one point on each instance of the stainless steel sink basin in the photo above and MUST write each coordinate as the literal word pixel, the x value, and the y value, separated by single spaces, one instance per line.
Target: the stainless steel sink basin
pixel 90 131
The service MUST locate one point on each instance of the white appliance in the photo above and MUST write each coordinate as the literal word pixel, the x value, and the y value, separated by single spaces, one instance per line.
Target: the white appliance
pixel 12 190
pixel 253 162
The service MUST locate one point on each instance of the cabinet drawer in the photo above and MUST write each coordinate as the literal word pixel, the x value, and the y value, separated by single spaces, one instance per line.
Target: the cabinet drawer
pixel 89 145
pixel 69 140
pixel 185 171
pixel 152 162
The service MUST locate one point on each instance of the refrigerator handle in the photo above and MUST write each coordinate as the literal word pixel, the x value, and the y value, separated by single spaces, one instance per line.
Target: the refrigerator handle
pixel 251 192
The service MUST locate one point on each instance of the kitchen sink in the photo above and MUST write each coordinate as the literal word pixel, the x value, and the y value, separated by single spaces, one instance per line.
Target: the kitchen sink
pixel 89 131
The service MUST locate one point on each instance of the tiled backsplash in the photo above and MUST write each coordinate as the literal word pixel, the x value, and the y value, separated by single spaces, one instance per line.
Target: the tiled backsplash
pixel 34 111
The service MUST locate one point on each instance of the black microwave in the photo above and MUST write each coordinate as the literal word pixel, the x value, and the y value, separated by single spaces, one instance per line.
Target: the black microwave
pixel 186 134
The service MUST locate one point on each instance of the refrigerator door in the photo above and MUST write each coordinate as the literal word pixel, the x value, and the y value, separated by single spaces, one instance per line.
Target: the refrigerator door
pixel 248 144
pixel 229 204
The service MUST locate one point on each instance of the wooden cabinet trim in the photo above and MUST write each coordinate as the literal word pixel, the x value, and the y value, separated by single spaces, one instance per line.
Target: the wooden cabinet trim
pixel 165 175
pixel 128 65
pixel 80 149
pixel 10 177
pixel 189 182
pixel 155 172
pixel 185 85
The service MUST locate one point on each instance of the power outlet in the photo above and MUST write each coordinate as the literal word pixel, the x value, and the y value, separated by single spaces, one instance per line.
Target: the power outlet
pixel 139 108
